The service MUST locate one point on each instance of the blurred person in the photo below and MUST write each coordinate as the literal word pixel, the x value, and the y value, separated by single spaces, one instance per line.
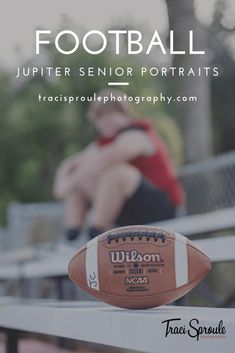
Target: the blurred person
pixel 126 176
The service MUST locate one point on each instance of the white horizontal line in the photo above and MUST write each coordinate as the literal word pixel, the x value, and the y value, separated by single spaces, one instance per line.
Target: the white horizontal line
pixel 118 83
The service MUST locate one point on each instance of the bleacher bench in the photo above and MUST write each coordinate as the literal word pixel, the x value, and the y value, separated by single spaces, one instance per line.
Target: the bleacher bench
pixel 140 330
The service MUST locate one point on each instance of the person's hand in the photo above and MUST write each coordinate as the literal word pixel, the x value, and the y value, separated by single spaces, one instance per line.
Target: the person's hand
pixel 66 179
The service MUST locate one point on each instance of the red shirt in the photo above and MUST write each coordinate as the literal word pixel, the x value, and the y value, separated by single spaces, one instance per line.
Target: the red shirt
pixel 158 167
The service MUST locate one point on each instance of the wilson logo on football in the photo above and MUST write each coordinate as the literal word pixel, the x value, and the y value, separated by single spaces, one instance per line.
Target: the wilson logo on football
pixel 118 257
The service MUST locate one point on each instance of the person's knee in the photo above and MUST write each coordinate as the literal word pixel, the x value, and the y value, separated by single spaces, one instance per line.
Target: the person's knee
pixel 123 177
pixel 75 197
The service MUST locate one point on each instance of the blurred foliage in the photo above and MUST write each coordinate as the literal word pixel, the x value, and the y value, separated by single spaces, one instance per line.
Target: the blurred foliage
pixel 170 133
pixel 222 39
pixel 36 136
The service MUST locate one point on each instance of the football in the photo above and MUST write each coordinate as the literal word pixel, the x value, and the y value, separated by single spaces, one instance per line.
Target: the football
pixel 138 267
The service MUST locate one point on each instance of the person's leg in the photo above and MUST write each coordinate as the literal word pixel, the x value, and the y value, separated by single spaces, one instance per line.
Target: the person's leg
pixel 75 211
pixel 115 186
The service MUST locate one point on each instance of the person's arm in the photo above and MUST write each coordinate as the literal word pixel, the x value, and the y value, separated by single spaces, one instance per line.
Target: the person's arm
pixel 127 146
pixel 64 175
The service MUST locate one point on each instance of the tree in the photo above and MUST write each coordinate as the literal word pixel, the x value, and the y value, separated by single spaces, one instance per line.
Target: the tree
pixel 223 105
pixel 195 118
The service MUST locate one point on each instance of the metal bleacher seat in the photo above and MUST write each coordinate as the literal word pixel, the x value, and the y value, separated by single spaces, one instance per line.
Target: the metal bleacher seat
pixel 209 185
pixel 139 330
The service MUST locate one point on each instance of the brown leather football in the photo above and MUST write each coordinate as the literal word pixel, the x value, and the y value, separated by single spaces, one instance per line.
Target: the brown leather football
pixel 138 267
